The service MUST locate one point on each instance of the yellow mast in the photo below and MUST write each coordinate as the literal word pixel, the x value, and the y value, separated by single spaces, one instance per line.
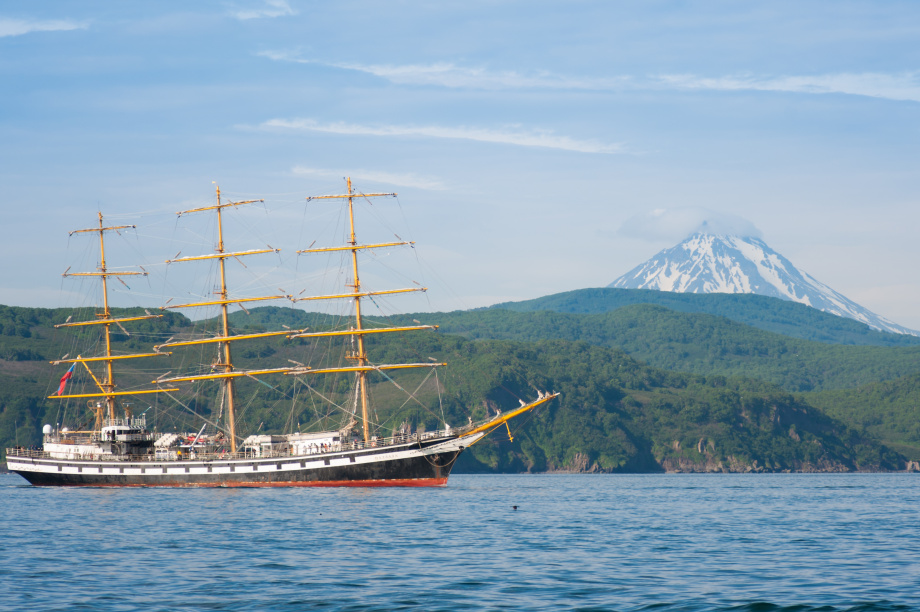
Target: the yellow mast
pixel 227 362
pixel 361 356
pixel 224 357
pixel 107 385
pixel 110 378
pixel 356 294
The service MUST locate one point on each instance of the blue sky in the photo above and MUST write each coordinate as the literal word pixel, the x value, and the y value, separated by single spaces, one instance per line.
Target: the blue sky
pixel 527 140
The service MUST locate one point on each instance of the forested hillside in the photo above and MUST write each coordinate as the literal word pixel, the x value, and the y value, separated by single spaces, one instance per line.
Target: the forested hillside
pixel 687 342
pixel 888 411
pixel 698 343
pixel 708 344
pixel 766 313
pixel 615 413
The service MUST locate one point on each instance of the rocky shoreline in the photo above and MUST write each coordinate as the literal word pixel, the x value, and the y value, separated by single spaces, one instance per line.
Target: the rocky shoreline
pixel 581 464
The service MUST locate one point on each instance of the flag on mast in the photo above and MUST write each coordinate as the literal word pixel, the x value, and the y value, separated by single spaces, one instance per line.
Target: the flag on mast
pixel 67 376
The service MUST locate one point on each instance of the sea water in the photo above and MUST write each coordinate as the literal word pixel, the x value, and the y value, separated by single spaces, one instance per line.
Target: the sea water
pixel 796 542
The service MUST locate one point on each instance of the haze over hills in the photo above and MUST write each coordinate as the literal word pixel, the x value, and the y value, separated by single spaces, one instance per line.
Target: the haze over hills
pixel 722 263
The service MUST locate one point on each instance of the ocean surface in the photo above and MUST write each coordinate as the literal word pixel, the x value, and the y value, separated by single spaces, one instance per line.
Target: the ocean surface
pixel 796 542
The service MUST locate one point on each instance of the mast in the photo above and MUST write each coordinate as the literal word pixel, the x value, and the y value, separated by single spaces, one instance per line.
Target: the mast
pixel 360 355
pixel 107 384
pixel 227 362
pixel 224 360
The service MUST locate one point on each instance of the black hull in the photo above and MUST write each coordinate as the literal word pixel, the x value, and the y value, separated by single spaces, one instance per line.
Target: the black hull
pixel 407 467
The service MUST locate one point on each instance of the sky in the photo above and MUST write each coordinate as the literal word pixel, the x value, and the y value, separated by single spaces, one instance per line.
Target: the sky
pixel 536 147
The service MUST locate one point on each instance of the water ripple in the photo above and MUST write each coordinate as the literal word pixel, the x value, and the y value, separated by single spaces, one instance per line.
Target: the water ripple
pixel 623 543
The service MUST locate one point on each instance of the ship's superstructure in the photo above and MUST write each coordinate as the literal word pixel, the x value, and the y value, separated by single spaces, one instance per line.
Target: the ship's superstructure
pixel 121 451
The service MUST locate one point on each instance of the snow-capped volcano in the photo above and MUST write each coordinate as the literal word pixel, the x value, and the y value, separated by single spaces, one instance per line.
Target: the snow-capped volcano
pixel 711 263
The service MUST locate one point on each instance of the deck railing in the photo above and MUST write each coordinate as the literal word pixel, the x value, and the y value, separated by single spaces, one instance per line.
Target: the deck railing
pixel 196 455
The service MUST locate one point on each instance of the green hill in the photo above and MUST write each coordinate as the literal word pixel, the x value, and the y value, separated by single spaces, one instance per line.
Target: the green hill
pixel 616 414
pixel 766 313
pixel 888 411
pixel 693 342
pixel 619 415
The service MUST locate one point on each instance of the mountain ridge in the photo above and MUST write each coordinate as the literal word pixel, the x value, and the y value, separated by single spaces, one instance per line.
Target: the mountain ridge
pixel 766 313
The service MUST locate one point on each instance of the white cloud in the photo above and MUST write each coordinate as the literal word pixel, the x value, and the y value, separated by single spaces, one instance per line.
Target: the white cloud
pixel 271 8
pixel 18 27
pixel 519 137
pixel 446 74
pixel 903 86
pixel 896 86
pixel 389 178
pixel 675 224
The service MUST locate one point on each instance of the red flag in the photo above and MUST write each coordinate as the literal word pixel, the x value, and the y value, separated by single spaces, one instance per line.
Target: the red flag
pixel 67 375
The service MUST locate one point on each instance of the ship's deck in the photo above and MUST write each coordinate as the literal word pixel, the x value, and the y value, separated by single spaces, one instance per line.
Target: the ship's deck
pixel 212 454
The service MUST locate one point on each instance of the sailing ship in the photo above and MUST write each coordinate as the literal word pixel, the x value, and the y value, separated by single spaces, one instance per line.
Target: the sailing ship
pixel 119 449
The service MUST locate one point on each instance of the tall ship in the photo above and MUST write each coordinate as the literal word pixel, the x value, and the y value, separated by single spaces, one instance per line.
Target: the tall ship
pixel 119 449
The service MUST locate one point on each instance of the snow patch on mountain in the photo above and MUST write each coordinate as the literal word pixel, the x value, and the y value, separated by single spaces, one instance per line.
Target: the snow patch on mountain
pixel 715 263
